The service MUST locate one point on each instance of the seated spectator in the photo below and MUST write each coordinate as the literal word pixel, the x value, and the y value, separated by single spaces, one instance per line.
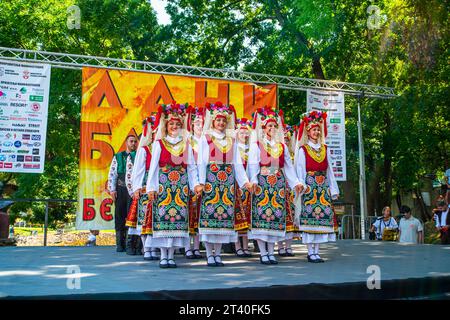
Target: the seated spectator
pixel 411 230
pixel 92 238
pixel 385 227
pixel 442 220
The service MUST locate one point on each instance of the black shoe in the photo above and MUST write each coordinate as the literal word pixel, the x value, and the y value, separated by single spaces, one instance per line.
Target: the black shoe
pixel 247 253
pixel 211 264
pixel 152 256
pixel 219 264
pixel 312 260
pixel 289 253
pixel 264 262
pixel 129 247
pixel 139 247
pixel 171 265
pixel 240 253
pixel 319 260
pixel 197 254
pixel 282 254
pixel 164 266
pixel 272 259
pixel 119 245
pixel 149 258
pixel 191 256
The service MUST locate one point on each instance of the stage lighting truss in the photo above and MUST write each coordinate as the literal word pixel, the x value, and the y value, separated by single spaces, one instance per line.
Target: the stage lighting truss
pixel 74 61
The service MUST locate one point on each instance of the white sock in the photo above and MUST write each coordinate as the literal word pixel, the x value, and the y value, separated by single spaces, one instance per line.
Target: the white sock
pixel 153 251
pixel 146 249
pixel 196 242
pixel 316 249
pixel 245 242
pixel 270 248
pixel 163 254
pixel 170 253
pixel 217 249
pixel 209 253
pixel 262 247
pixel 310 249
pixel 188 250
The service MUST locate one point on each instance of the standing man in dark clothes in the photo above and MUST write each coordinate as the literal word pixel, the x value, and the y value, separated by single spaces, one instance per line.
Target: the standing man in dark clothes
pixel 118 190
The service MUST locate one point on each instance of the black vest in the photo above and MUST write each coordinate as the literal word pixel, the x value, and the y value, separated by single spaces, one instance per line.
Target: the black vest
pixel 439 215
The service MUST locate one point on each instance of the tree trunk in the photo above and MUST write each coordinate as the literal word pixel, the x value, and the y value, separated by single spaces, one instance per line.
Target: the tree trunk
pixel 425 216
pixel 317 68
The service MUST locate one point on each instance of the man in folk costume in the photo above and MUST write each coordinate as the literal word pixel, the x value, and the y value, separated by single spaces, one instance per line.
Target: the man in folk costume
pixel 313 168
pixel 140 210
pixel 285 247
pixel 118 190
pixel 219 167
pixel 195 127
pixel 172 172
pixel 243 209
pixel 270 166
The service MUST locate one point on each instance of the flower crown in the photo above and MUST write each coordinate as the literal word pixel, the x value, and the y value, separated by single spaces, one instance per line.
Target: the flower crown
pixel 220 109
pixel 195 113
pixel 267 115
pixel 244 123
pixel 173 110
pixel 313 119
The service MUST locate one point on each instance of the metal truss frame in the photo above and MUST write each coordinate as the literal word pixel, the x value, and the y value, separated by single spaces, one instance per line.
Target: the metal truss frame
pixel 74 61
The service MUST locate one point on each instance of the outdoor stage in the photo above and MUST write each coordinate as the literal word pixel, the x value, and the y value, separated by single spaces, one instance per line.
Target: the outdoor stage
pixel 407 271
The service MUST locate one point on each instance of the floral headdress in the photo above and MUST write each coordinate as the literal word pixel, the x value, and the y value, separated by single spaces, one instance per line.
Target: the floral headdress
pixel 194 114
pixel 263 116
pixel 219 110
pixel 309 121
pixel 244 123
pixel 169 112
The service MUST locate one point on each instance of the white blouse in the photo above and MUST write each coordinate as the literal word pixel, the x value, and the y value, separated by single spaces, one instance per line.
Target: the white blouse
pixel 137 176
pixel 254 158
pixel 153 172
pixel 203 161
pixel 300 167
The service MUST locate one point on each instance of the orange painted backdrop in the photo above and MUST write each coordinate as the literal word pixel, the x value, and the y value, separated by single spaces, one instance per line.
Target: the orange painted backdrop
pixel 115 102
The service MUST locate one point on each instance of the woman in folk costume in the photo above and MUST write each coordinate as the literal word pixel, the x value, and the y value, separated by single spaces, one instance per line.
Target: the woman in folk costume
pixel 313 168
pixel 270 166
pixel 285 246
pixel 243 209
pixel 195 127
pixel 219 167
pixel 172 171
pixel 137 173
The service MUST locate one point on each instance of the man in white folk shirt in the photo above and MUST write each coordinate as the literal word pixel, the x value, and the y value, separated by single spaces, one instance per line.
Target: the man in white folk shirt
pixel 411 230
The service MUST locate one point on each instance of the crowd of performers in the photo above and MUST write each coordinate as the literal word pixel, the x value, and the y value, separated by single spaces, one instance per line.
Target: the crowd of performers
pixel 201 175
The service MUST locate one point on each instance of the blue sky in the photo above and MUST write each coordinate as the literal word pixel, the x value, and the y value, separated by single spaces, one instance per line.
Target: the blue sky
pixel 159 7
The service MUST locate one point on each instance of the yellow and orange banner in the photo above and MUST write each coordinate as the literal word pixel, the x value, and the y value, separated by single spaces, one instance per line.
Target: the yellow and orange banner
pixel 114 103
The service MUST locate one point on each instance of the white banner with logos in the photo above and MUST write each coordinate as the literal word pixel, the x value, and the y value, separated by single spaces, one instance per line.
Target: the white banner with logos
pixel 333 103
pixel 24 93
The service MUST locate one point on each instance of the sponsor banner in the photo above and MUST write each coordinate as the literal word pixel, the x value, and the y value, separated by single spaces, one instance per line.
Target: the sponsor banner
pixel 114 103
pixel 333 103
pixel 24 94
